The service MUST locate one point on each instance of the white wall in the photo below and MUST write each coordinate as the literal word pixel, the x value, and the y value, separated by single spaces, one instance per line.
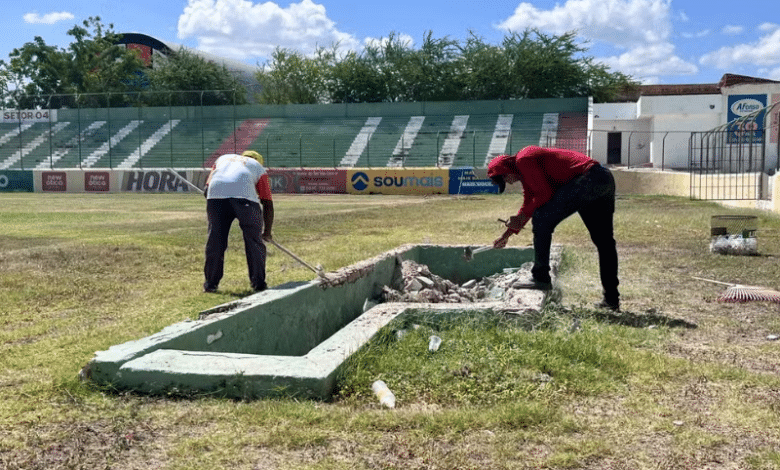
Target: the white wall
pixel 683 105
pixel 620 117
pixel 657 129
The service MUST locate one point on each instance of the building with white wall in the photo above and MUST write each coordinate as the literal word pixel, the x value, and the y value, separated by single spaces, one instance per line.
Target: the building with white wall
pixel 656 128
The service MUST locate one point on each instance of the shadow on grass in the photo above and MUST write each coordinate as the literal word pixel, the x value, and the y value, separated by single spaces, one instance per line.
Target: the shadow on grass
pixel 641 320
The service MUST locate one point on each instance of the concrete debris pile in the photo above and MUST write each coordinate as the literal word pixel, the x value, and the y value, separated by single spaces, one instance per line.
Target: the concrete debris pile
pixel 422 286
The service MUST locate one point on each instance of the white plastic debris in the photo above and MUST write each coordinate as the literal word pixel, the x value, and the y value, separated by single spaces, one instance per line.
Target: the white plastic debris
pixel 434 343
pixel 211 338
pixel 734 245
pixel 383 393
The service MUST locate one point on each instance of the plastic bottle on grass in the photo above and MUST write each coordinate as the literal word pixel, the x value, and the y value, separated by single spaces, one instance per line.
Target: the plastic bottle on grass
pixel 384 394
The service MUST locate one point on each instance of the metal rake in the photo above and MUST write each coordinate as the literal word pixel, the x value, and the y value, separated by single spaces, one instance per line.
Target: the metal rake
pixel 743 293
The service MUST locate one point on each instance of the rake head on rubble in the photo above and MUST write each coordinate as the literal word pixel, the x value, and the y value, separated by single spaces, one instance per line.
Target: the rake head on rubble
pixel 743 293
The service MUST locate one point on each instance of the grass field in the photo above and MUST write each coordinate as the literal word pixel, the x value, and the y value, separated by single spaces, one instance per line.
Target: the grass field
pixel 677 380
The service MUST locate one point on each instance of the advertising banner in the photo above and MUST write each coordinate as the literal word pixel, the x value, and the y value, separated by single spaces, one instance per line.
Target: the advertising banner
pixel 750 129
pixel 471 181
pixel 17 180
pixel 97 181
pixel 159 181
pixel 399 181
pixel 308 181
pixel 54 181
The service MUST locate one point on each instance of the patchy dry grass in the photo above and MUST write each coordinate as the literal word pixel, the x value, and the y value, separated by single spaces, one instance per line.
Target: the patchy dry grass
pixel 677 380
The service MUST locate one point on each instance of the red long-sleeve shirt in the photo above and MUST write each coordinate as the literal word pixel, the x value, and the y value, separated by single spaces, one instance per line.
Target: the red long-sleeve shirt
pixel 541 171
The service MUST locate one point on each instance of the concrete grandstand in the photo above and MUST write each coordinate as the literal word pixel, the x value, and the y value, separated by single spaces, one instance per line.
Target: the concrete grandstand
pixel 447 134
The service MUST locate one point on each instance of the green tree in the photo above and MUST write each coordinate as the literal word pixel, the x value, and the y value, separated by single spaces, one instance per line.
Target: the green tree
pixel 391 58
pixel 605 86
pixel 484 71
pixel 357 79
pixel 93 63
pixel 375 75
pixel 291 77
pixel 544 66
pixel 36 69
pixel 185 79
pixel 430 73
pixel 527 65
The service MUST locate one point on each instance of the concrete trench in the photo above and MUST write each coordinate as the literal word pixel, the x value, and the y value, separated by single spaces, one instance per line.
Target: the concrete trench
pixel 292 339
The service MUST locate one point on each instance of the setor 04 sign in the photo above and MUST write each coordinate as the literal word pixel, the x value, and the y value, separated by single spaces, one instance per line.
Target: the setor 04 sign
pixel 29 115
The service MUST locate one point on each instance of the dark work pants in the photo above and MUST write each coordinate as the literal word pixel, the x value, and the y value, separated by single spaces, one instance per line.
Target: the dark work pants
pixel 221 213
pixel 592 195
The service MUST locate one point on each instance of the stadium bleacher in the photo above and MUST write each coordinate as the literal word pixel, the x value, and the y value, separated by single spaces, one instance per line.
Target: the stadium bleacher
pixel 456 135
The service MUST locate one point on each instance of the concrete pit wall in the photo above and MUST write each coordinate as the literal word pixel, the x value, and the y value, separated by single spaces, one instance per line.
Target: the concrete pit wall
pixel 291 339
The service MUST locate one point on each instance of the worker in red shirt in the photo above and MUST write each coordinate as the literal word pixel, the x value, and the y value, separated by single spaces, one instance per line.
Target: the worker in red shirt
pixel 556 184
pixel 235 189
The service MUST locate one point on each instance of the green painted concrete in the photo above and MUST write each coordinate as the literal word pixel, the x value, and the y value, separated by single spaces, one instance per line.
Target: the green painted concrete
pixel 322 111
pixel 292 339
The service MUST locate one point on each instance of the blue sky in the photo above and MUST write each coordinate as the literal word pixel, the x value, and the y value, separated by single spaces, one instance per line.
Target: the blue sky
pixel 654 41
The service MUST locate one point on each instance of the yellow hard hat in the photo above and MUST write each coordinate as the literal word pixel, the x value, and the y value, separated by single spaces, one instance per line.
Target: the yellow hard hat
pixel 253 154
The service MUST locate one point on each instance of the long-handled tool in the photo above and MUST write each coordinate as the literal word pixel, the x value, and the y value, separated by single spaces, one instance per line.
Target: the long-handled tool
pixel 469 252
pixel 185 181
pixel 317 269
pixel 743 293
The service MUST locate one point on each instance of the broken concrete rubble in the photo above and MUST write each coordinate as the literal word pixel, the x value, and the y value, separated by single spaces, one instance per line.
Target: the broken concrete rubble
pixel 420 285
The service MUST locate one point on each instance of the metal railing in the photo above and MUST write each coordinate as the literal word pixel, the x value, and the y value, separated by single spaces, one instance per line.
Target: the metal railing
pixel 732 161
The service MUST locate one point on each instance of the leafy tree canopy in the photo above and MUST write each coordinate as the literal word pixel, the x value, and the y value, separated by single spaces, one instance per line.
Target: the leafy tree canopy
pixel 96 71
pixel 185 79
pixel 93 63
pixel 525 65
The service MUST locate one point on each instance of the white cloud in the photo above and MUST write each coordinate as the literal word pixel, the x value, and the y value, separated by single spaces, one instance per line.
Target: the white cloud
pixel 642 29
pixel 241 29
pixel 48 18
pixel 732 30
pixel 647 63
pixel 764 52
pixel 699 35
pixel 616 22
pixel 773 74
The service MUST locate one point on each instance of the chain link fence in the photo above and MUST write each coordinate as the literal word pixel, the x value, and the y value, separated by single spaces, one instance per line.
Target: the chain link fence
pixel 189 129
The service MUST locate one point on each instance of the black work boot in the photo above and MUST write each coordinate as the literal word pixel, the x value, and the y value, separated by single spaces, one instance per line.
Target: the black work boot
pixel 609 304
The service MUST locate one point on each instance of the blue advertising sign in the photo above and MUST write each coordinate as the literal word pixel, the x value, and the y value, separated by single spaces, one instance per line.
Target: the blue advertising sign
pixel 17 180
pixel 746 122
pixel 467 181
